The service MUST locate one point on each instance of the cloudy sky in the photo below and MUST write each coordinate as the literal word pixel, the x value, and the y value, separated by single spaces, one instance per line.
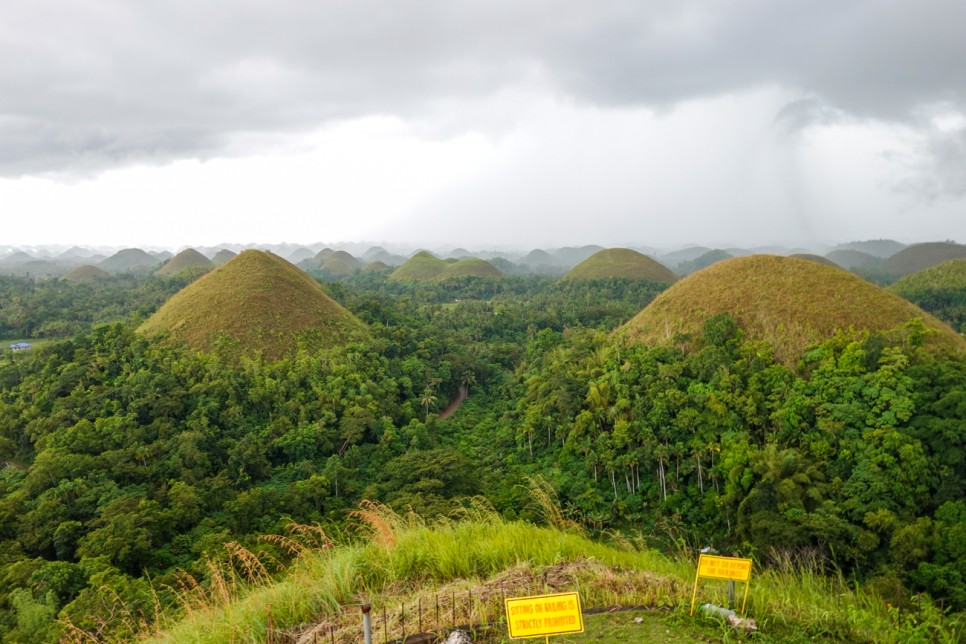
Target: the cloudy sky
pixel 482 123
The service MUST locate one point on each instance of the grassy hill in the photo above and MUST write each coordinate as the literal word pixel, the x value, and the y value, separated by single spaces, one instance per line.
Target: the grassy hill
pixel 424 266
pixel 850 259
pixel 341 263
pixel 259 300
pixel 620 262
pixel 130 260
pixel 791 303
pixel 921 256
pixel 223 256
pixel 879 248
pixel 85 273
pixel 702 261
pixel 189 258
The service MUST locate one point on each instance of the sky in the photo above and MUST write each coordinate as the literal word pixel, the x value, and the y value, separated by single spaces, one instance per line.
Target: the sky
pixel 482 124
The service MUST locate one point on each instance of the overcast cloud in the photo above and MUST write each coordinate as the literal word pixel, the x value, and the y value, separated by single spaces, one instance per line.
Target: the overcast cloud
pixel 520 111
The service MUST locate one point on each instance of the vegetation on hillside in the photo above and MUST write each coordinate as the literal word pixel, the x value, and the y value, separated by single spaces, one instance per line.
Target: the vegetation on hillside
pixel 139 472
pixel 941 290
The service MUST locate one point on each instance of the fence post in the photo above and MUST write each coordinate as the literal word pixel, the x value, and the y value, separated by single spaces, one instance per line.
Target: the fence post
pixel 366 624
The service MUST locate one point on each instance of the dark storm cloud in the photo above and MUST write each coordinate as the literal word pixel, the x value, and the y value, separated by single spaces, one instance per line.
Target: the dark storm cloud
pixel 97 83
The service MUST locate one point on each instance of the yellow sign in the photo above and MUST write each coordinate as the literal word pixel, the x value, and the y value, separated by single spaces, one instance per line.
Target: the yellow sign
pixel 730 568
pixel 724 568
pixel 544 615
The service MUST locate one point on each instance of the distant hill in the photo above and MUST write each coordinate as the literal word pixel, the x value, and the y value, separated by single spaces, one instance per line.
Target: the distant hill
pixel 850 259
pixel 940 289
pixel 130 260
pixel 222 256
pixel 620 262
pixel 790 303
pixel 569 256
pixel 376 266
pixel 18 258
pixel 341 263
pixel 85 273
pixel 460 253
pixel 161 255
pixel 811 257
pixel 259 300
pixel 424 266
pixel 689 254
pixel 189 258
pixel 538 257
pixel 921 256
pixel 703 261
pixel 300 254
pixel 880 248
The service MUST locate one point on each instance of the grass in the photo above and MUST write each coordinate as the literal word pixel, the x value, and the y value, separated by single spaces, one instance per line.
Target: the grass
pixel 261 301
pixel 85 273
pixel 620 262
pixel 430 576
pixel 948 276
pixel 790 303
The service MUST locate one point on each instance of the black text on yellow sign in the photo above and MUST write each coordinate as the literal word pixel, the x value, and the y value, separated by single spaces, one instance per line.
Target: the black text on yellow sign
pixel 730 568
pixel 544 615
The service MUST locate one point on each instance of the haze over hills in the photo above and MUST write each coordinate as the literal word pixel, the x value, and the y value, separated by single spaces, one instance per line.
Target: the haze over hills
pixel 920 256
pixel 259 300
pixel 791 303
pixel 620 262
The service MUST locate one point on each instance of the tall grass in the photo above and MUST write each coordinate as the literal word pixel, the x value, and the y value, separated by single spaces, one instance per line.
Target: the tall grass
pixel 463 567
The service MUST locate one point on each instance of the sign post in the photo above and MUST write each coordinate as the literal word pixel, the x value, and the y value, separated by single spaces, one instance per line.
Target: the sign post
pixel 728 568
pixel 544 615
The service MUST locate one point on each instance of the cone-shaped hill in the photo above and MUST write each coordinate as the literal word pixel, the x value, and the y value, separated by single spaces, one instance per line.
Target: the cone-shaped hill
pixel 921 256
pixel 130 260
pixel 811 257
pixel 850 259
pixel 223 256
pixel 261 301
pixel 189 258
pixel 85 273
pixel 620 262
pixel 790 303
pixel 425 267
pixel 940 289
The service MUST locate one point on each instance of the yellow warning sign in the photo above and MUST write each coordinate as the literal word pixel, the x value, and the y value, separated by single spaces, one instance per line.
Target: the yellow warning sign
pixel 730 568
pixel 544 615
pixel 724 567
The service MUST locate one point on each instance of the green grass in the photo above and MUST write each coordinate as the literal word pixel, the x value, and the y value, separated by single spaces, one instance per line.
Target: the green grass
pixel 261 301
pixel 620 262
pixel 410 571
pixel 188 258
pixel 425 267
pixel 790 303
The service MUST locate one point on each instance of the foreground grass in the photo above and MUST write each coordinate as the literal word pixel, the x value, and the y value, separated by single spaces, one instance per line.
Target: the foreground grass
pixel 457 572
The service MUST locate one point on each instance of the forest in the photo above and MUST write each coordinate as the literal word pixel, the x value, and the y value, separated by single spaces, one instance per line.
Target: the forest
pixel 128 460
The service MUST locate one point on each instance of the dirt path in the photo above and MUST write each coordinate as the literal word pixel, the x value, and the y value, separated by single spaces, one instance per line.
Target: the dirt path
pixel 454 404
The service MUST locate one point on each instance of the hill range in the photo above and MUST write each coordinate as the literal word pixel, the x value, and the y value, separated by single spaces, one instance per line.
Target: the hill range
pixel 424 266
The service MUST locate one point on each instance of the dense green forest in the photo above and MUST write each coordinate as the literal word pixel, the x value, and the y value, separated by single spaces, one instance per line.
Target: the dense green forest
pixel 129 460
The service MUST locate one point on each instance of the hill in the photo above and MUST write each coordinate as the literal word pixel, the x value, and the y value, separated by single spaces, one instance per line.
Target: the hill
pixel 880 248
pixel 921 256
pixel 376 266
pixel 811 257
pixel 341 263
pixel 189 258
pixel 423 266
pixel 620 262
pixel 940 289
pixel 85 273
pixel 850 259
pixel 790 303
pixel 261 301
pixel 130 260
pixel 222 256
pixel 702 261
pixel 569 256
